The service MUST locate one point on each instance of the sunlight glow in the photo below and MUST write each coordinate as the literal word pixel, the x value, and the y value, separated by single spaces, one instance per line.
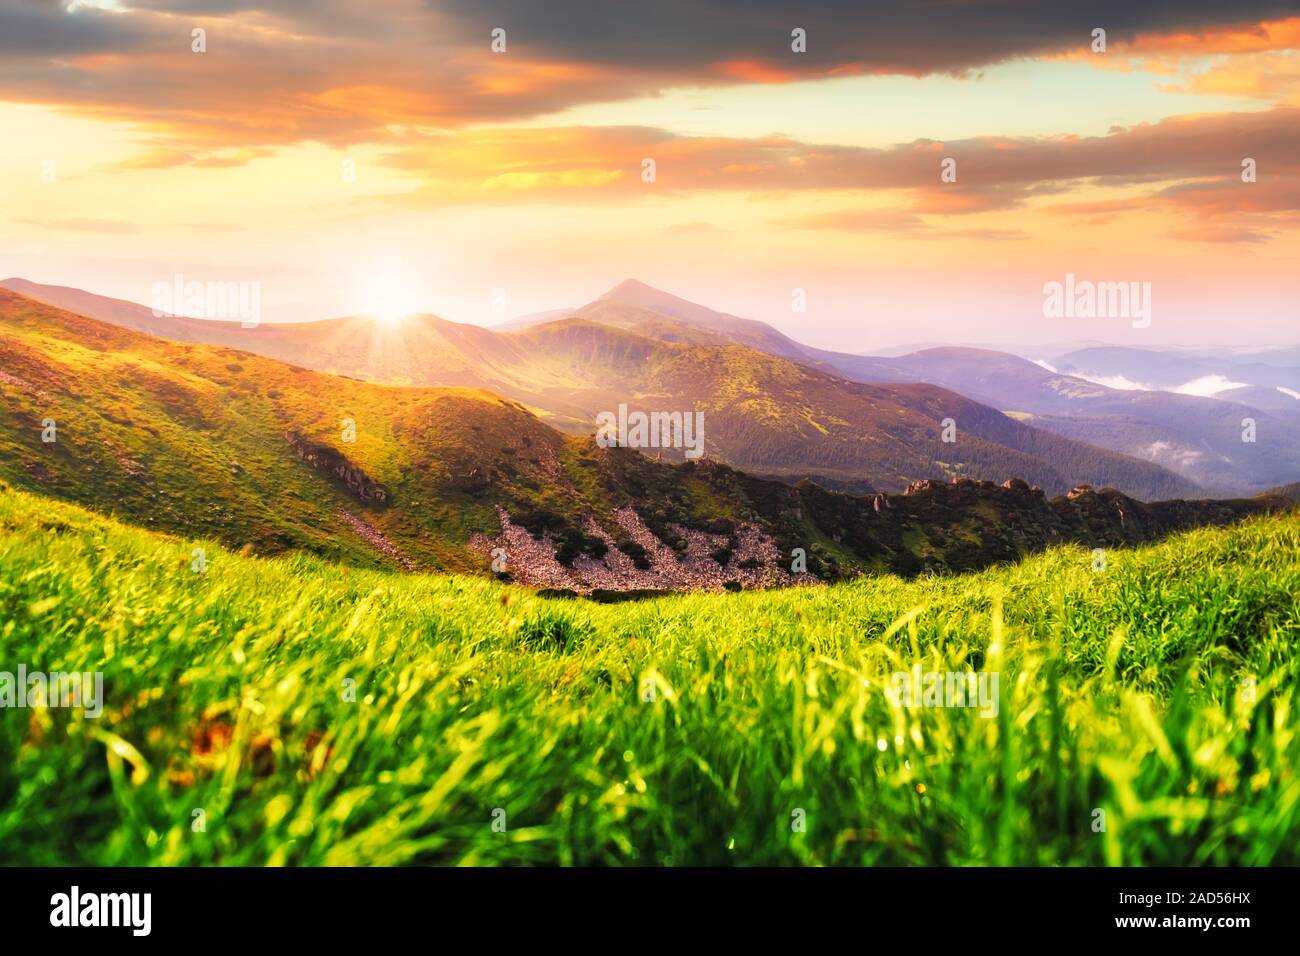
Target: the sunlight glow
pixel 387 295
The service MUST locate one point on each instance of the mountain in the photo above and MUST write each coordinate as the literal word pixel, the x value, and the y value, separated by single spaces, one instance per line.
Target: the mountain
pixel 641 309
pixel 773 416
pixel 1270 399
pixel 430 350
pixel 765 413
pixel 638 308
pixel 534 318
pixel 1291 491
pixel 1178 369
pixel 119 312
pixel 208 441
pixel 1198 437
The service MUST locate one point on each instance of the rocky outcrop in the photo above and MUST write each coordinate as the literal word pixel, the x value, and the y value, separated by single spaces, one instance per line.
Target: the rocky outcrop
pixel 377 540
pixel 959 525
pixel 749 558
pixel 334 463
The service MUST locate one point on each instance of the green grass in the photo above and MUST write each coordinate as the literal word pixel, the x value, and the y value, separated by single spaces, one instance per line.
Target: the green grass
pixel 1121 691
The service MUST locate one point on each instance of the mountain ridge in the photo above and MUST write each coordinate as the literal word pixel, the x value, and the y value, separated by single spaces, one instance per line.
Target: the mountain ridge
pixel 767 413
pixel 210 441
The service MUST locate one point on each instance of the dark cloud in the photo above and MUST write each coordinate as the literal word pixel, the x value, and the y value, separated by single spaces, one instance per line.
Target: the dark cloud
pixel 342 72
pixel 893 36
pixel 43 28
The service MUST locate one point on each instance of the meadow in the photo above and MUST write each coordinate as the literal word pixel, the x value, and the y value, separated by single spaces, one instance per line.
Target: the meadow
pixel 291 711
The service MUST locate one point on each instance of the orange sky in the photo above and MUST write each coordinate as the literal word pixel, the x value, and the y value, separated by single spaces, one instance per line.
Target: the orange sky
pixel 515 178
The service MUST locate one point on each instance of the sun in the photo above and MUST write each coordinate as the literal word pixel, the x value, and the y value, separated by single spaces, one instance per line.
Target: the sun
pixel 387 295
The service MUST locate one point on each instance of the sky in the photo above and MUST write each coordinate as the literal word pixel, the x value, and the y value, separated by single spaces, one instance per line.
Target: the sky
pixel 401 155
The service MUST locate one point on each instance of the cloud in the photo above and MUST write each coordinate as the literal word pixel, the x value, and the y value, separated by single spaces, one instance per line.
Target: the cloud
pixel 1194 167
pixel 419 82
pixel 1243 36
pixel 173 158
pixel 895 223
pixel 36 30
pixel 1208 385
pixel 1115 381
pixel 156 159
pixel 1187 166
pixel 695 40
pixel 279 72
pixel 1254 60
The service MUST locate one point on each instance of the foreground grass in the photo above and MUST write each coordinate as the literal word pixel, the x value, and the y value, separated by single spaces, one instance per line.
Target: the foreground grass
pixel 1161 691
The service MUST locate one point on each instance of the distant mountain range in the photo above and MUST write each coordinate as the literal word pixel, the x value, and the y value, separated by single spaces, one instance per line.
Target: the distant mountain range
pixel 773 407
pixel 210 441
pixel 1176 369
pixel 1197 437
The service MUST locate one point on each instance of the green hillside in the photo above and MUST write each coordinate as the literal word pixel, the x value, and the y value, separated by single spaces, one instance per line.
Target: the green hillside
pixel 770 415
pixel 1158 696
pixel 765 413
pixel 214 442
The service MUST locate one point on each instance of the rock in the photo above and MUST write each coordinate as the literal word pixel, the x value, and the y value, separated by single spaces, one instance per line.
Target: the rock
pixel 333 462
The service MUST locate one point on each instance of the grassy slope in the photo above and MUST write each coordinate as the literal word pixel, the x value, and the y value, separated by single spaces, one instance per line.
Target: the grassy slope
pixel 192 439
pixel 766 414
pixel 196 440
pixel 1120 690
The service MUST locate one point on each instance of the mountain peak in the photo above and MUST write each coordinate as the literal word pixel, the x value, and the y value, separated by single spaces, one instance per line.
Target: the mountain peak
pixel 637 293
pixel 630 296
pixel 634 288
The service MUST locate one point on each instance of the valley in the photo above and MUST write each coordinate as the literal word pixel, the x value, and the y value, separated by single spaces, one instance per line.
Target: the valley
pixel 210 441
